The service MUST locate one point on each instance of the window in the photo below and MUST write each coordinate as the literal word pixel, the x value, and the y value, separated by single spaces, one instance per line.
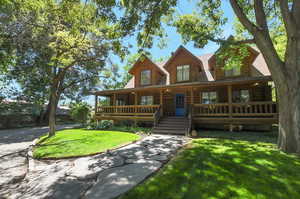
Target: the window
pixel 145 77
pixel 120 102
pixel 235 71
pixel 209 97
pixel 183 73
pixel 241 96
pixel 147 100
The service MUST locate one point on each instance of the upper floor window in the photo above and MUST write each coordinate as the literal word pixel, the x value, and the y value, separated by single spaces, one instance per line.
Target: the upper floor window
pixel 146 100
pixel 183 73
pixel 235 71
pixel 145 77
pixel 240 96
pixel 209 97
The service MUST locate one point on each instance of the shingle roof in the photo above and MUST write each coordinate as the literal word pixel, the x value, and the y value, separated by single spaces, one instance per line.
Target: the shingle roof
pixel 259 65
pixel 206 72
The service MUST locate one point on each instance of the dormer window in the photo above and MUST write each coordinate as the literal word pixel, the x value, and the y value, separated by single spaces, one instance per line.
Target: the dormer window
pixel 145 77
pixel 235 71
pixel 183 73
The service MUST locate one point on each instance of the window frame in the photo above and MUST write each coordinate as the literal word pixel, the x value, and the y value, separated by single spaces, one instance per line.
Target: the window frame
pixel 141 77
pixel 209 97
pixel 183 73
pixel 231 72
pixel 239 91
pixel 147 101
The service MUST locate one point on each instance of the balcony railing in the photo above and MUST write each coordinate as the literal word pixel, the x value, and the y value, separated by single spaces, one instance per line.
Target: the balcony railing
pixel 248 109
pixel 128 110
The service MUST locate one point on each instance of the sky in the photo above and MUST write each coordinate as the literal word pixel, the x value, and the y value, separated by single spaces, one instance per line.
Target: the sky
pixel 174 39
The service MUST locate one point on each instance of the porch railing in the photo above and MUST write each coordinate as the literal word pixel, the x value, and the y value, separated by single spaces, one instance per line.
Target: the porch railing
pixel 247 109
pixel 128 110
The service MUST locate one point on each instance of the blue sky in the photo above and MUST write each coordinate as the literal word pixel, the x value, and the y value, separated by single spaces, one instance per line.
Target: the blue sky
pixel 174 39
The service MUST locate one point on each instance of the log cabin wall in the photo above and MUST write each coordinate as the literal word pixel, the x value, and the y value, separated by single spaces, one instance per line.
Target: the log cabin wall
pixel 157 77
pixel 184 58
pixel 246 69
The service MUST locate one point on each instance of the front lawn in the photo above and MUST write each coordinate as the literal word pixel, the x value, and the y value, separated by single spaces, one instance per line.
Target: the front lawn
pixel 217 166
pixel 80 142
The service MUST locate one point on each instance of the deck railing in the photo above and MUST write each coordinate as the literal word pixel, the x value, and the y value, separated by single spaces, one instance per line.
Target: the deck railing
pixel 247 109
pixel 128 110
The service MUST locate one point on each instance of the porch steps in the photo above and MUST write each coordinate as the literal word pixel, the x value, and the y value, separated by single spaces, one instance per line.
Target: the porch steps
pixel 172 126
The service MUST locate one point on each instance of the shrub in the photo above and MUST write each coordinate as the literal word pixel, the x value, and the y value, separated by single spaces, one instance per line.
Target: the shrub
pixel 104 124
pixel 80 112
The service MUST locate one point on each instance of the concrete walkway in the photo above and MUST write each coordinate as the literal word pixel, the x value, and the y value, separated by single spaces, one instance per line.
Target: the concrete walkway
pixel 103 176
pixel 13 153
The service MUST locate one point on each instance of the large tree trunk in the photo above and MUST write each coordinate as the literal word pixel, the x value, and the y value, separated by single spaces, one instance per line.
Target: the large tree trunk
pixel 53 107
pixel 289 120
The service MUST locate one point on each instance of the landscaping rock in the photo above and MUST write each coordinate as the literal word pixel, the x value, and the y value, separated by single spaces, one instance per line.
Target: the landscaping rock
pixel 13 167
pixel 113 182
pixel 88 167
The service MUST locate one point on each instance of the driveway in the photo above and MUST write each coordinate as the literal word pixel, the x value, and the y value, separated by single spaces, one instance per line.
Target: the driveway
pixel 13 153
pixel 104 176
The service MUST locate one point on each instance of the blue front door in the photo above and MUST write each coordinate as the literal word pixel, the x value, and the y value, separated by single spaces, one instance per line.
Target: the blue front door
pixel 179 105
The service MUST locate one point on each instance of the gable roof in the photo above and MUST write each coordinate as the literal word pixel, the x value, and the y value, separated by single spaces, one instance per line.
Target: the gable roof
pixel 140 60
pixel 178 50
pixel 206 67
pixel 259 64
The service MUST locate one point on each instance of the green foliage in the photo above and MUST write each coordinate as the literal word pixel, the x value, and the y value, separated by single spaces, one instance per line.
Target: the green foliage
pixel 79 142
pixel 244 166
pixel 104 124
pixel 232 56
pixel 80 112
pixel 132 129
pixel 203 25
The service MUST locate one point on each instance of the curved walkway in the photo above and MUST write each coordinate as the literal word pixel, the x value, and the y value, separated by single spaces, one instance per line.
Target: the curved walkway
pixel 104 176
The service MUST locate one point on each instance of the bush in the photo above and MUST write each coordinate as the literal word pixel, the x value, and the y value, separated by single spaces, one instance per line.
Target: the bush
pixel 104 124
pixel 80 112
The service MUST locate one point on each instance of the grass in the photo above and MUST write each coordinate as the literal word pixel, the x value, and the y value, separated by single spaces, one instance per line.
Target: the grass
pixel 226 165
pixel 80 142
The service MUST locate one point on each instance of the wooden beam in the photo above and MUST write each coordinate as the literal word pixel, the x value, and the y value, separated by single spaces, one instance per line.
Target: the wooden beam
pixel 192 96
pixel 229 93
pixel 161 101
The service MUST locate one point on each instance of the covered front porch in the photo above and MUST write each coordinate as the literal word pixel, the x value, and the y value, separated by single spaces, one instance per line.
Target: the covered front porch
pixel 225 102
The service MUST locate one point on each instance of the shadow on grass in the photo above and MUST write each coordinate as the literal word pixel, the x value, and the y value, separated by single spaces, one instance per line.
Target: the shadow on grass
pixel 244 167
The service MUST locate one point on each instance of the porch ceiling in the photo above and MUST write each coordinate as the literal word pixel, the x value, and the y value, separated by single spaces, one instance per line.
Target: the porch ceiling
pixel 236 81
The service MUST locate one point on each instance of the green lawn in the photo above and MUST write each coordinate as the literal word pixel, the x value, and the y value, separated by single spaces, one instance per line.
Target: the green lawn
pixel 78 142
pixel 217 166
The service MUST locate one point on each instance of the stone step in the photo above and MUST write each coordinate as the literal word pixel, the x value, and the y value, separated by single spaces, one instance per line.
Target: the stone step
pixel 173 125
pixel 171 132
pixel 171 128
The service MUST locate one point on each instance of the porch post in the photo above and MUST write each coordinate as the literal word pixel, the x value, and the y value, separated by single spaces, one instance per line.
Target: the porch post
pixel 135 108
pixel 114 102
pixel 96 104
pixel 229 92
pixel 192 96
pixel 161 102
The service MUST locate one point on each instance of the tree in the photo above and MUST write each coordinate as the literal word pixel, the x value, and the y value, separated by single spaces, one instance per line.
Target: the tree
pixel 61 41
pixel 258 18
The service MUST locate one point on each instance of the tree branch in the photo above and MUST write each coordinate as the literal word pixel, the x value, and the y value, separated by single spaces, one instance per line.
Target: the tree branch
pixel 242 17
pixel 287 18
pixel 260 15
pixel 78 81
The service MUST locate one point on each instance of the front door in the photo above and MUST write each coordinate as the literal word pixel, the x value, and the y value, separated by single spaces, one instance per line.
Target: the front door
pixel 179 105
